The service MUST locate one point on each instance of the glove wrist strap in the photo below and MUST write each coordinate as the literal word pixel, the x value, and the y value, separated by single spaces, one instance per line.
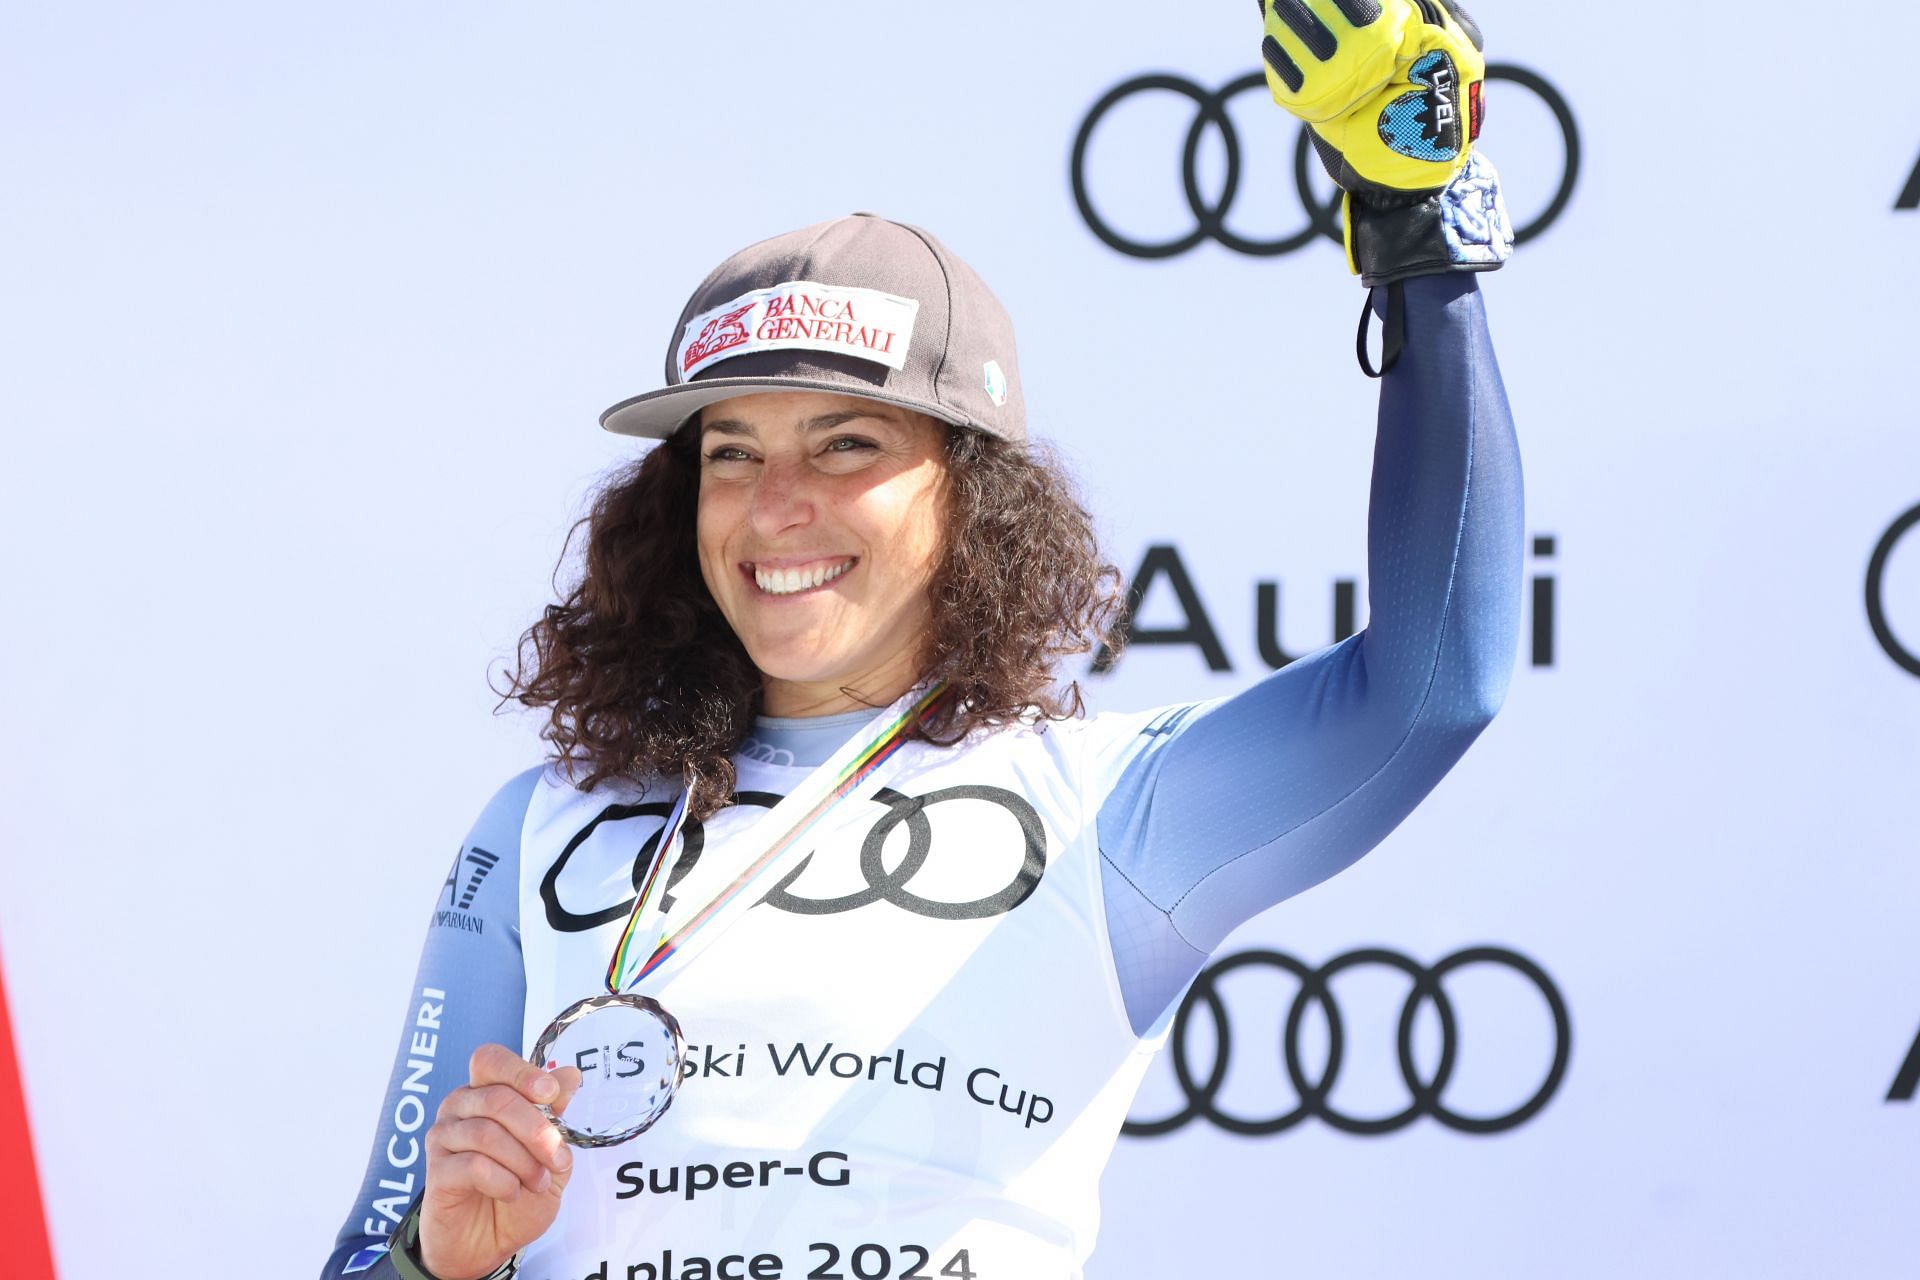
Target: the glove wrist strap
pixel 1393 331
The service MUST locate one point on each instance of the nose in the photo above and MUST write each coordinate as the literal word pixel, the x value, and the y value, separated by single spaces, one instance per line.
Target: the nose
pixel 783 499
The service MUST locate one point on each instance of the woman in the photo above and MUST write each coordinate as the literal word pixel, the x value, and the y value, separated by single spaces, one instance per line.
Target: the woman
pixel 913 1055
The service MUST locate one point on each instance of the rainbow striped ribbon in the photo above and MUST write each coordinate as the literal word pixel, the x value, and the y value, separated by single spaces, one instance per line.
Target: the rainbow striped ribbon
pixel 623 950
pixel 822 789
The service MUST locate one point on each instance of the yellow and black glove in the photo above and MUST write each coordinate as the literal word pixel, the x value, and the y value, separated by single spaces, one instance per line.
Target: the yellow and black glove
pixel 1391 91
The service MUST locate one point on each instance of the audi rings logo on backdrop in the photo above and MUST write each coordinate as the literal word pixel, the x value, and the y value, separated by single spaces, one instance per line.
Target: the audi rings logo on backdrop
pixel 1901 653
pixel 1311 1093
pixel 1322 215
pixel 882 883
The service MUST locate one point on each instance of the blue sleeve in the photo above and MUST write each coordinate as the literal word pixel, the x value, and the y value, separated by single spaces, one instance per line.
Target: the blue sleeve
pixel 1227 808
pixel 470 990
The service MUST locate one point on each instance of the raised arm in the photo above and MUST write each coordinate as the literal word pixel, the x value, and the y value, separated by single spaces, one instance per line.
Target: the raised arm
pixel 1231 807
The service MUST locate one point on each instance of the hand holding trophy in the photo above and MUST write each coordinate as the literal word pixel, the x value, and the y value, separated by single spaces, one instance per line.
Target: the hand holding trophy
pixel 496 1169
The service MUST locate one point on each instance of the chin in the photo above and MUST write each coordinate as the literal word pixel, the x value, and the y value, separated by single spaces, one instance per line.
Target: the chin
pixel 796 664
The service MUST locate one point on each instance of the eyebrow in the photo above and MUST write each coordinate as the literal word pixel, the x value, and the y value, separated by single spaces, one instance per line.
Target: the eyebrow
pixel 822 422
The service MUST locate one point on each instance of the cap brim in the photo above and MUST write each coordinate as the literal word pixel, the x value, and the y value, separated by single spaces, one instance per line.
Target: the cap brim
pixel 658 414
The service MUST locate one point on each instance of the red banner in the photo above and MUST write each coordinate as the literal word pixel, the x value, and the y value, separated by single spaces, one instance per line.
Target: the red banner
pixel 23 1220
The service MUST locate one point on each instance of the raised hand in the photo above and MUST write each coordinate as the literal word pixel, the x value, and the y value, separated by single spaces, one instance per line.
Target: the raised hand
pixel 1390 88
pixel 1391 92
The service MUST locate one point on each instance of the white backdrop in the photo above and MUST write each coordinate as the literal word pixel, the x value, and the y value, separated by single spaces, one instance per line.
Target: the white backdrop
pixel 307 316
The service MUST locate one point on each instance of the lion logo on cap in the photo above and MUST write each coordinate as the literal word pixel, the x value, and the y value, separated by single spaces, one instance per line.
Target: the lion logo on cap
pixel 720 333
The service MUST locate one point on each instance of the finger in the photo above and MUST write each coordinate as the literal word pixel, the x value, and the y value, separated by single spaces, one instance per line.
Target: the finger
pixel 1314 35
pixel 511 1111
pixel 1281 66
pixel 470 1169
pixel 1360 13
pixel 496 1064
pixel 1336 16
pixel 489 1138
pixel 1303 35
pixel 1464 20
pixel 1288 54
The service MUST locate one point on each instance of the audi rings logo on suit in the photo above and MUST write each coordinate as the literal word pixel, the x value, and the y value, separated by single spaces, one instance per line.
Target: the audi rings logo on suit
pixel 1310 1088
pixel 1322 215
pixel 892 886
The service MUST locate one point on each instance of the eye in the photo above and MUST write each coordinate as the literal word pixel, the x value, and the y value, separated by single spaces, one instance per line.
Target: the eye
pixel 849 444
pixel 727 453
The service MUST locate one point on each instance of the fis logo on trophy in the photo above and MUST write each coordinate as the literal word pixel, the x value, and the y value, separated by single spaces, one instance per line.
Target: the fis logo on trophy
pixel 610 1062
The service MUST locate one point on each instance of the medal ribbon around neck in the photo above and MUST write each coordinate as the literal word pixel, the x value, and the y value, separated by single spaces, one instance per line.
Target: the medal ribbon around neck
pixel 816 795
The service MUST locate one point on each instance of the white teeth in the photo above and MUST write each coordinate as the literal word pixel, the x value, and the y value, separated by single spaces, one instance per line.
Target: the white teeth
pixel 784 582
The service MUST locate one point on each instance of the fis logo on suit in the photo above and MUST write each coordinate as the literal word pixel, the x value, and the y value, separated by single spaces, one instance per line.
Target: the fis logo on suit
pixel 1021 859
pixel 1196 630
pixel 1904 649
pixel 1223 1046
pixel 1107 211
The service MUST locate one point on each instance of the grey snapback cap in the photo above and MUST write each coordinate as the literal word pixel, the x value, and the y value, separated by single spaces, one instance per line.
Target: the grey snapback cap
pixel 858 306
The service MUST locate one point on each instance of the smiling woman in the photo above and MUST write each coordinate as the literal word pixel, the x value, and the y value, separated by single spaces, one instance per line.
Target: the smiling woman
pixel 943 553
pixel 819 531
pixel 954 929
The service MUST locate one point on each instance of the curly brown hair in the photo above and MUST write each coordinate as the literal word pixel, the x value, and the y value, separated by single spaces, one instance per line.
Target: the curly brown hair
pixel 643 676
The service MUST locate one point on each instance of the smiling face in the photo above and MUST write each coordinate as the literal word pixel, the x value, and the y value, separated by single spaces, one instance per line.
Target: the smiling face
pixel 819 531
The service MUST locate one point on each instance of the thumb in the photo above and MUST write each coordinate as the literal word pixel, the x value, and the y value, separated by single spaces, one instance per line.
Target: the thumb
pixel 568 1078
